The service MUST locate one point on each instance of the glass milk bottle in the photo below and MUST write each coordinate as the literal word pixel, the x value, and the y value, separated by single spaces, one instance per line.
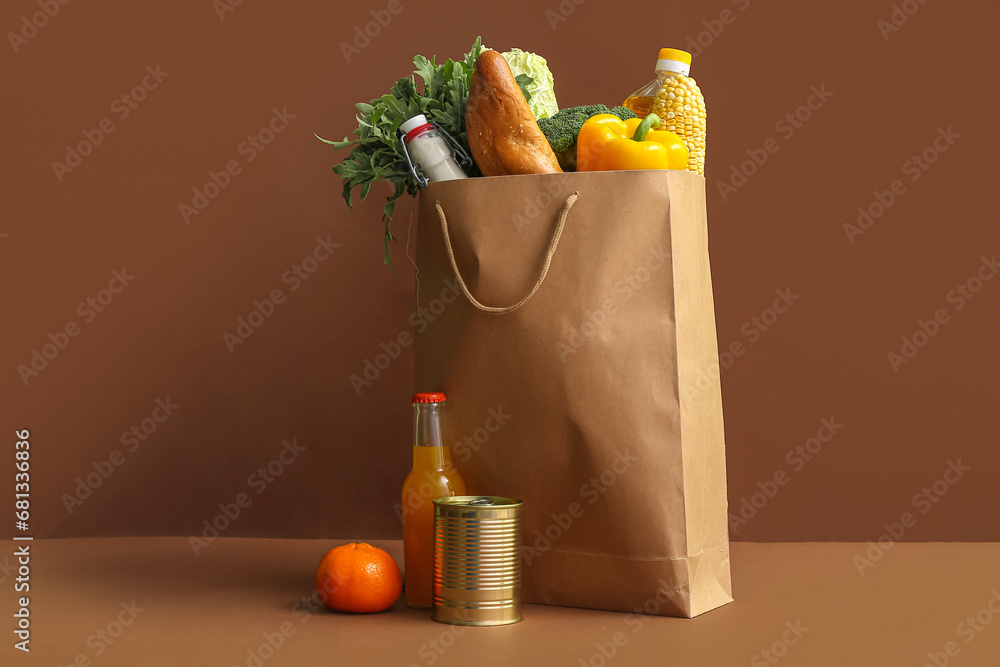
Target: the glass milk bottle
pixel 428 148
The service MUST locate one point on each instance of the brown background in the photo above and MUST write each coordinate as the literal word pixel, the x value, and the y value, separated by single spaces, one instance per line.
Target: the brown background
pixel 162 336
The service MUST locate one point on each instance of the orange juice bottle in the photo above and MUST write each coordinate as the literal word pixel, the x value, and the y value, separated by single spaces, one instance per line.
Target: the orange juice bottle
pixel 432 477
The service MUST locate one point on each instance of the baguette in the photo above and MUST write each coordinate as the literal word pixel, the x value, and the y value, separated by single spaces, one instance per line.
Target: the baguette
pixel 503 135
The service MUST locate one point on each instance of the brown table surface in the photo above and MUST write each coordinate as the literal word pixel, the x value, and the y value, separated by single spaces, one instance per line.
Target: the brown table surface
pixel 216 608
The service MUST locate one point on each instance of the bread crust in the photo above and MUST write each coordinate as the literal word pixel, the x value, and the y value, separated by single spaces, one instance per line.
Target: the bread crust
pixel 503 135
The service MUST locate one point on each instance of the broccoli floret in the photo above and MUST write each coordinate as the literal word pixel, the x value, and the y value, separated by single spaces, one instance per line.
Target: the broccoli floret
pixel 562 128
pixel 567 159
pixel 623 112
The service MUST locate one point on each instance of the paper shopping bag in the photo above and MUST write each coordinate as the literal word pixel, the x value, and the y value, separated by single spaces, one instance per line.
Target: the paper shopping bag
pixel 569 319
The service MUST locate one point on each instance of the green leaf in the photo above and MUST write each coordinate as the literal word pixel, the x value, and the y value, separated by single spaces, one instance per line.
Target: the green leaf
pixel 523 81
pixel 388 257
pixel 388 210
pixel 346 194
pixel 393 105
pixel 471 56
pixel 426 71
pixel 404 89
pixel 337 145
pixel 390 205
pixel 448 70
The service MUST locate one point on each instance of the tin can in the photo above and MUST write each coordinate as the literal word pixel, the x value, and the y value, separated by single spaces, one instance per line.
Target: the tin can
pixel 477 560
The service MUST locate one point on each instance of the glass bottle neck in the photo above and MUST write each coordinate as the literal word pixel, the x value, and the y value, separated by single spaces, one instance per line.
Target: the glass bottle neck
pixel 427 425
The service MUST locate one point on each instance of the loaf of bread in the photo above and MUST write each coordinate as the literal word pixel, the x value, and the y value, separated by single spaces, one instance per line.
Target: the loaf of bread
pixel 503 135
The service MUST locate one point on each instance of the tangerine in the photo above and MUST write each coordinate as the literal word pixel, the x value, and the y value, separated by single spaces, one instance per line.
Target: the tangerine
pixel 359 578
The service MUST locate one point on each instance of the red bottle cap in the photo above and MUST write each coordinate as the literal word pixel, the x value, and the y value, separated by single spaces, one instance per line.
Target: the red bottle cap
pixel 417 131
pixel 433 397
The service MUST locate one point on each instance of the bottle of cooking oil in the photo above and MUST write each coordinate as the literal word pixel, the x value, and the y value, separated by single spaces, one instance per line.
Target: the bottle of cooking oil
pixel 677 100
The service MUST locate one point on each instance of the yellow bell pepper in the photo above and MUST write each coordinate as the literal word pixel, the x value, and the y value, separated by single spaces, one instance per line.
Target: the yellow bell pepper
pixel 607 143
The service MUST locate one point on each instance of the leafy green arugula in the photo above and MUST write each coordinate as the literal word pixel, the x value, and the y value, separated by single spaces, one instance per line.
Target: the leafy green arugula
pixel 377 153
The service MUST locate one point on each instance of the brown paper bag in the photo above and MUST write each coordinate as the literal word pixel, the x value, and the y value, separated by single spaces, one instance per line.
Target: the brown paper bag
pixel 576 344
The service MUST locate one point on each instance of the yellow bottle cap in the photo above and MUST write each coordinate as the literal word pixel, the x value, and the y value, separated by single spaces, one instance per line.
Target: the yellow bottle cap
pixel 674 60
pixel 675 54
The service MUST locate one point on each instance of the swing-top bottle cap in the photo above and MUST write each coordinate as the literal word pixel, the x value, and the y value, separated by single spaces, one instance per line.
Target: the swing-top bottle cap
pixel 412 123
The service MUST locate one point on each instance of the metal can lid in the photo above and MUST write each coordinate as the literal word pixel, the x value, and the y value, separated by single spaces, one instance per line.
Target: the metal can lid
pixel 478 507
pixel 491 502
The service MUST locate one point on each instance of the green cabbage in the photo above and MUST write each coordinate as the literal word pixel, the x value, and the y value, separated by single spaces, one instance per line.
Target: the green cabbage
pixel 543 95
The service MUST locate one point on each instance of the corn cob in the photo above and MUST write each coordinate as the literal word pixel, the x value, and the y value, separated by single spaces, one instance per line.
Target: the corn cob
pixel 681 105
